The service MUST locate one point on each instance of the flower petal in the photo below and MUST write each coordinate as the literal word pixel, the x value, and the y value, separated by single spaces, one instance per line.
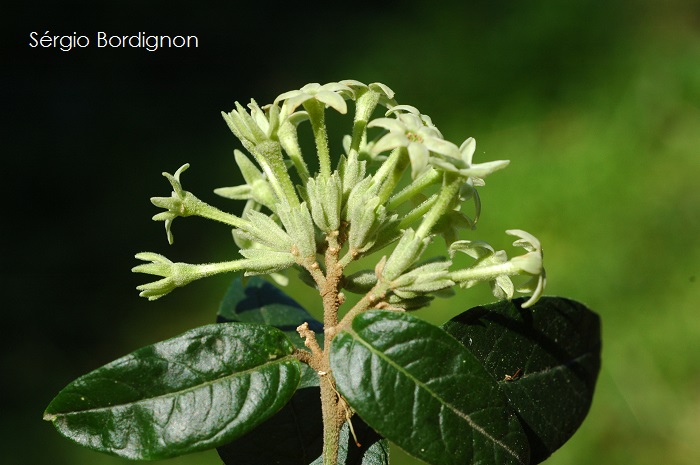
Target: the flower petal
pixel 333 100
pixel 390 124
pixel 390 141
pixel 442 147
pixel 419 155
pixel 466 150
pixel 293 102
pixel 484 169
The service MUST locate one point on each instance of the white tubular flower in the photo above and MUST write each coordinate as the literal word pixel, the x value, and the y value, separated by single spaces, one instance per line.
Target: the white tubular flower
pixel 331 94
pixel 184 203
pixel 180 203
pixel 358 89
pixel 409 130
pixel 368 96
pixel 490 266
pixel 530 263
pixel 462 164
pixel 176 274
pixel 496 268
pixel 423 279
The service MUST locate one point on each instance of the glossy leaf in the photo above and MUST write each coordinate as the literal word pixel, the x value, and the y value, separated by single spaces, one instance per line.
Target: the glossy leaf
pixel 421 389
pixel 545 358
pixel 193 392
pixel 297 430
pixel 258 301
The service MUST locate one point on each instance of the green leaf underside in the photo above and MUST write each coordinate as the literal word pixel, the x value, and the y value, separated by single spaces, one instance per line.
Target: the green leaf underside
pixel 297 438
pixel 261 302
pixel 421 389
pixel 258 301
pixel 556 346
pixel 189 393
pixel 373 449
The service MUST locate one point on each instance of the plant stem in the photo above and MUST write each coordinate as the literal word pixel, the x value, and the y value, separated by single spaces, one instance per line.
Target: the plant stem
pixel 376 294
pixel 210 212
pixel 290 143
pixel 450 187
pixel 417 212
pixel 269 155
pixel 330 290
pixel 364 107
pixel 397 167
pixel 426 179
pixel 332 422
pixel 317 117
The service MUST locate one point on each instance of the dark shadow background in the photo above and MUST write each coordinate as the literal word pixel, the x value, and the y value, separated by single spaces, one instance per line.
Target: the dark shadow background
pixel 597 104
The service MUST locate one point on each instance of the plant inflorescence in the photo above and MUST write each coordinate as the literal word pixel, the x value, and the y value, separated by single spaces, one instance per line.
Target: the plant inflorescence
pixel 397 186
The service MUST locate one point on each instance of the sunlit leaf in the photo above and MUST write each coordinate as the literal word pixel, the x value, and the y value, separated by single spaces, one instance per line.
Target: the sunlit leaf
pixel 258 301
pixel 421 389
pixel 189 393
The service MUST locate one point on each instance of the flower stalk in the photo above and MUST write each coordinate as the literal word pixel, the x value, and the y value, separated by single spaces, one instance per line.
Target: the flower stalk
pixel 337 216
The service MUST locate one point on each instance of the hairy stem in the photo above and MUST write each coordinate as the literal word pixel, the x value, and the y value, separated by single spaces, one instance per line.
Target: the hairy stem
pixel 450 188
pixel 331 411
pixel 398 165
pixel 317 117
pixel 269 155
pixel 416 187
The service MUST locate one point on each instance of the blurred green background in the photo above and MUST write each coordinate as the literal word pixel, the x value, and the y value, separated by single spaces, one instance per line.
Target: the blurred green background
pixel 596 104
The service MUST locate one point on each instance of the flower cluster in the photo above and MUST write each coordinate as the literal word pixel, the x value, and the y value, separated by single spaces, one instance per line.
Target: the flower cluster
pixel 391 194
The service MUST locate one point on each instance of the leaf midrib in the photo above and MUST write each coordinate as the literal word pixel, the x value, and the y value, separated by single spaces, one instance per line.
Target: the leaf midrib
pixel 454 409
pixel 54 416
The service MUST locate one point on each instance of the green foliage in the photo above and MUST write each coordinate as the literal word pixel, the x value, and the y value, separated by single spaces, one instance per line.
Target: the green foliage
pixel 500 384
pixel 545 359
pixel 371 372
pixel 189 393
pixel 423 390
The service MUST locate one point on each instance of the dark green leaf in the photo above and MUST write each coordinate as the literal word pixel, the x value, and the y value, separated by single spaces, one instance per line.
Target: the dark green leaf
pixel 553 347
pixel 190 393
pixel 293 436
pixel 373 449
pixel 420 388
pixel 297 430
pixel 261 302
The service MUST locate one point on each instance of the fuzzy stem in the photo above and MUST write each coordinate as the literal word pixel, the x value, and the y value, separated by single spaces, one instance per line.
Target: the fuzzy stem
pixel 426 179
pixel 290 143
pixel 417 212
pixel 331 288
pixel 269 155
pixel 364 107
pixel 484 273
pixel 369 300
pixel 330 409
pixel 204 210
pixel 394 176
pixel 317 117
pixel 450 187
